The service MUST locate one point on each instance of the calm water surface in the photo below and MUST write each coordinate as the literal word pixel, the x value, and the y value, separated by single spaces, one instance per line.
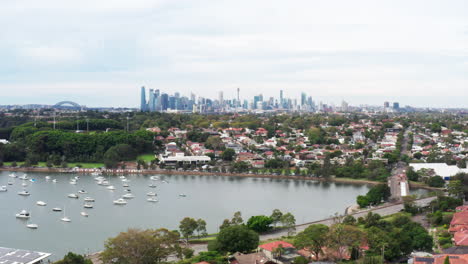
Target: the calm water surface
pixel 212 198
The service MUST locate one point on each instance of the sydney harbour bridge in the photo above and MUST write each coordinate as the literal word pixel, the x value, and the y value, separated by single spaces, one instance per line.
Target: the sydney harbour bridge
pixel 68 105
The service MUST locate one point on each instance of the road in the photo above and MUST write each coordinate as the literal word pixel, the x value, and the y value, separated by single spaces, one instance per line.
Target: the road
pixel 382 210
pixel 399 172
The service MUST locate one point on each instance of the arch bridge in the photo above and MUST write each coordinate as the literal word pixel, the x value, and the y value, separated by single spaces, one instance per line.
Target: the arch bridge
pixel 68 104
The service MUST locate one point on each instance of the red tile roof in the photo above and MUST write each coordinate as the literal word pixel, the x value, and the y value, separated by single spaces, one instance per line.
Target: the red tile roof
pixel 275 244
pixel 461 238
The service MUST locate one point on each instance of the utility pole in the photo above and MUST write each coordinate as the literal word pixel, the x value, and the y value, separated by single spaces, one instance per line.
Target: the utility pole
pixel 127 123
pixel 54 119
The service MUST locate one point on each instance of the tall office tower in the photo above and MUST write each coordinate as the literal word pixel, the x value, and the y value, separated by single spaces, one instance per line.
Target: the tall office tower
pixel 164 101
pixel 396 105
pixel 172 102
pixel 143 104
pixel 221 98
pixel 156 93
pixel 238 97
pixel 281 99
pixel 303 99
pixel 176 94
pixel 386 104
pixel 151 106
pixel 309 102
pixel 344 106
pixel 192 97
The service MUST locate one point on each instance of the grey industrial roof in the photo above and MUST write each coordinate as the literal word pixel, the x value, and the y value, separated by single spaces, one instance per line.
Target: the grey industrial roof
pixel 20 256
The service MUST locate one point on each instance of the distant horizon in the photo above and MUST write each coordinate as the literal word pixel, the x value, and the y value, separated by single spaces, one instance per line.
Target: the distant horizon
pixel 449 102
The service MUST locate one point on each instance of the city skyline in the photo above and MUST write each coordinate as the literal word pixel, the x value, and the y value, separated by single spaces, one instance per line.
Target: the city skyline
pixel 364 52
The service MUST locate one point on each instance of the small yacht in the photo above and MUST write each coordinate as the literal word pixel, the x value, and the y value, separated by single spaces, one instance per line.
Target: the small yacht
pixel 23 214
pixel 163 181
pixel 154 178
pixel 85 214
pixel 32 180
pixel 73 182
pixel 122 177
pixel 11 182
pixel 47 178
pixel 125 180
pixel 24 184
pixel 182 195
pixel 152 199
pixel 126 185
pixel 152 185
pixel 12 175
pixel 3 188
pixel 24 177
pixel 111 188
pixel 24 193
pixel 32 226
pixel 77 177
pixel 82 191
pixel 128 196
pixel 151 194
pixel 65 218
pixel 128 190
pixel 120 201
pixel 73 195
pixel 54 180
pixel 104 183
pixel 41 203
pixel 88 205
pixel 57 209
pixel 89 199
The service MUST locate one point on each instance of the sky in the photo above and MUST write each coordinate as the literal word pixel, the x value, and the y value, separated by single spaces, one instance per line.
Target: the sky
pixel 100 52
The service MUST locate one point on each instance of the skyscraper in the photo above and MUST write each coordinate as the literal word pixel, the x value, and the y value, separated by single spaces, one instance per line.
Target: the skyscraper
pixel 303 99
pixel 281 99
pixel 221 98
pixel 396 105
pixel 151 106
pixel 143 105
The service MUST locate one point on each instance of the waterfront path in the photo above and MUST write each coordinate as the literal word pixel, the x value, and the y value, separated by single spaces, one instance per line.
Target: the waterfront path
pixel 383 210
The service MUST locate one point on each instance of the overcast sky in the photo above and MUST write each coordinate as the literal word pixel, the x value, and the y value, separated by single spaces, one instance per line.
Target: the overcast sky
pixel 100 52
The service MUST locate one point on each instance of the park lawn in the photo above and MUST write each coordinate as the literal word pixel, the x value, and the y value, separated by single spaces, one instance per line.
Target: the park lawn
pixel 146 157
pixel 391 217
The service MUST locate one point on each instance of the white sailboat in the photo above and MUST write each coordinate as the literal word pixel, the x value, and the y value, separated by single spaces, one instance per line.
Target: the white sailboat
pixel 89 199
pixel 85 214
pixel 32 226
pixel 24 193
pixel 120 201
pixel 41 203
pixel 65 218
pixel 128 196
pixel 3 188
pixel 152 199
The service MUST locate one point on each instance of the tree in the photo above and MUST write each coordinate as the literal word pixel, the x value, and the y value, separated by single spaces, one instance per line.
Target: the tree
pixel 237 219
pixel 72 258
pixel 237 238
pixel 362 201
pixel 214 142
pixel 345 236
pixel 187 227
pixel 228 154
pixel 226 223
pixel 259 223
pixel 314 237
pixel 436 181
pixel 447 260
pixel 201 227
pixel 455 188
pixel 141 246
pixel 276 216
pixel 289 221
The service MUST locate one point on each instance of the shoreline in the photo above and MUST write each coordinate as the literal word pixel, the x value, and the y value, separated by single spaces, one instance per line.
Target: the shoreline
pixel 198 173
pixel 206 173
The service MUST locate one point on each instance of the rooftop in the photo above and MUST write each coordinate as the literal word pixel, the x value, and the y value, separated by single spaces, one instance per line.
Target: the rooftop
pixel 20 256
